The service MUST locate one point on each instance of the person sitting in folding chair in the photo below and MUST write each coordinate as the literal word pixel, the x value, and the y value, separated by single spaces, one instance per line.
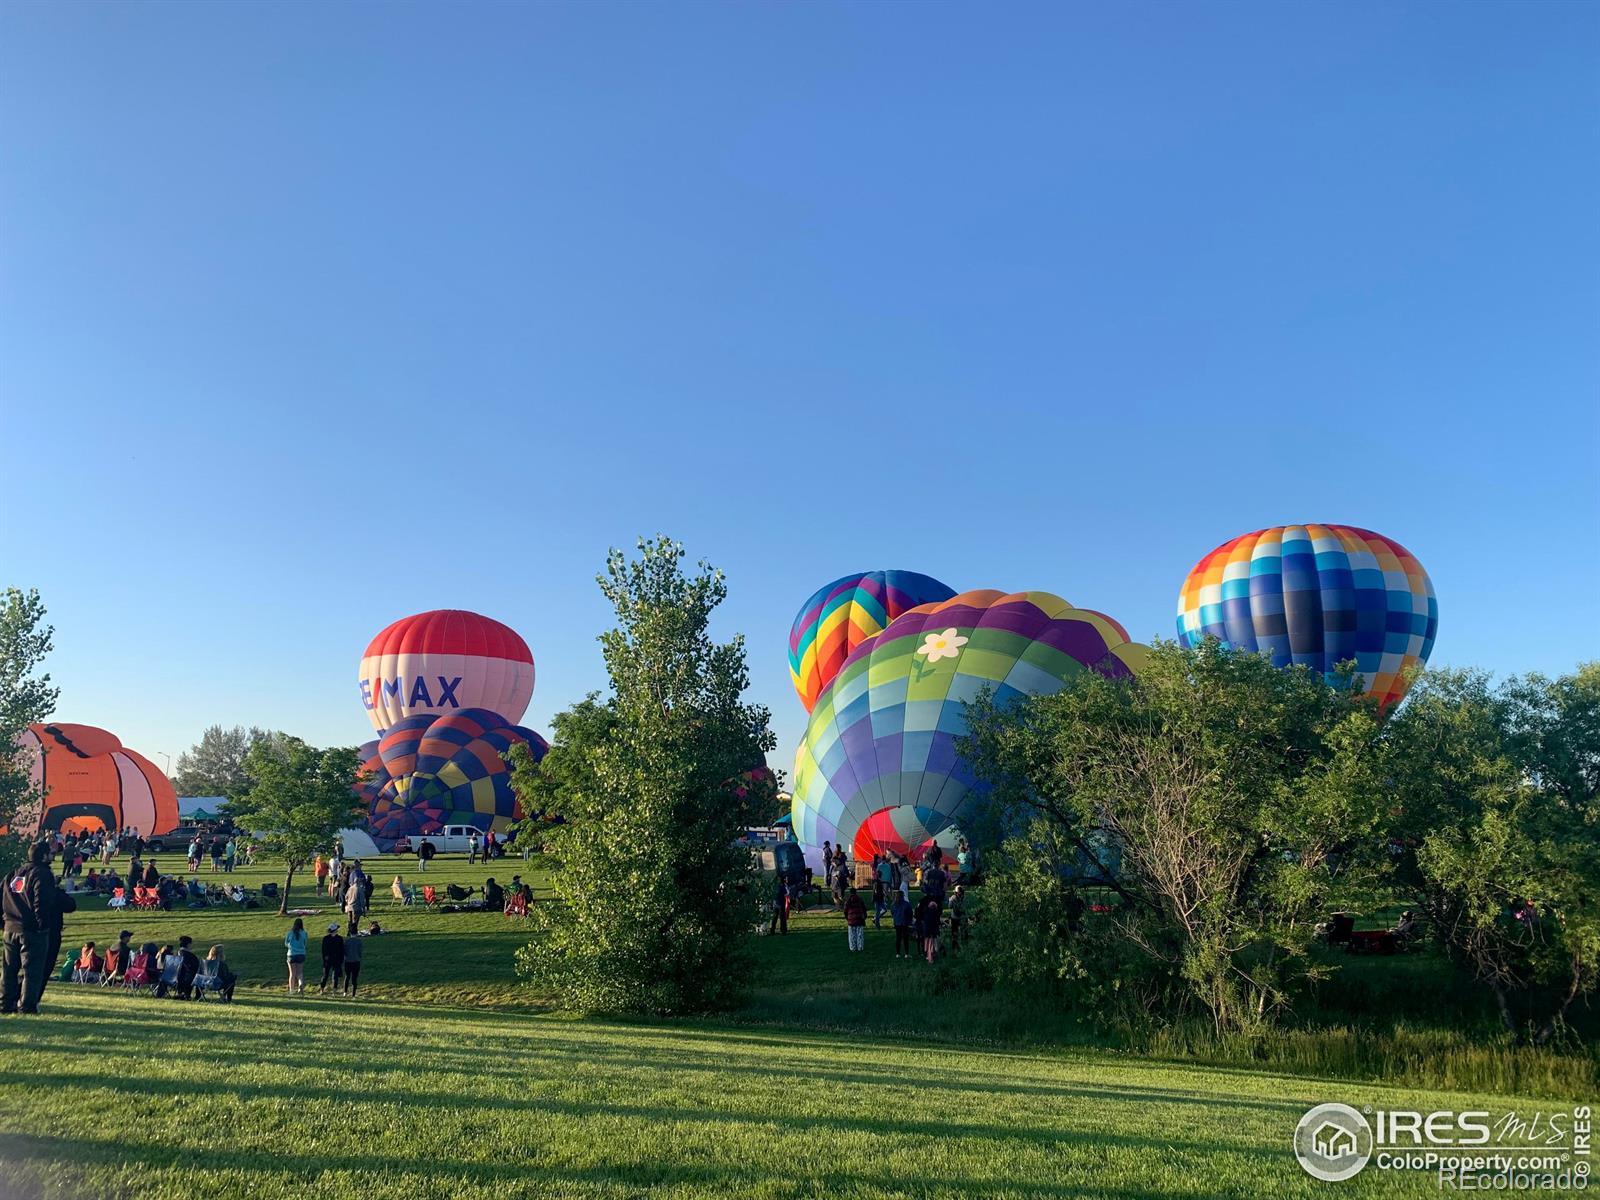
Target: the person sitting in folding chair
pixel 214 978
pixel 90 967
pixel 141 972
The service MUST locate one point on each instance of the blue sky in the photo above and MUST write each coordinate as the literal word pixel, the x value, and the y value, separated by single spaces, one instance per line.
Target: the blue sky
pixel 315 315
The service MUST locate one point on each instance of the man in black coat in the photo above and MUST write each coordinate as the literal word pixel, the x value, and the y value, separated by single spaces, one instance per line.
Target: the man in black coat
pixel 188 967
pixel 29 906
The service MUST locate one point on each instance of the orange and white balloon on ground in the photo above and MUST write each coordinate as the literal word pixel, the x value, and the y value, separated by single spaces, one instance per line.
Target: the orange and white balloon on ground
pixel 92 781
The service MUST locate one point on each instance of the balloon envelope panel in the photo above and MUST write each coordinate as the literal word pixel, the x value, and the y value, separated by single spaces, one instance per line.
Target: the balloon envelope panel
pixel 93 782
pixel 884 733
pixel 445 661
pixel 429 772
pixel 901 831
pixel 1316 595
pixel 839 617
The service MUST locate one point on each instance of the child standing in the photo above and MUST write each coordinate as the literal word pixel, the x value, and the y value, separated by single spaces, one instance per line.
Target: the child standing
pixel 855 920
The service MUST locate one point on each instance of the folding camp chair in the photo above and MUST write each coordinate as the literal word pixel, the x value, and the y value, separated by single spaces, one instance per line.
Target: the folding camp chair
pixel 516 905
pixel 429 896
pixel 208 980
pixel 141 975
pixel 119 898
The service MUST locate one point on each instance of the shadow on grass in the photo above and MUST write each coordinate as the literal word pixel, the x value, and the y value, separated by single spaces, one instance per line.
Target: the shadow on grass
pixel 732 1179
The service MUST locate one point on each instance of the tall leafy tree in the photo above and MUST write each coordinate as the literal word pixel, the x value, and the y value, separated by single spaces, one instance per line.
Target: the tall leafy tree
pixel 298 799
pixel 655 901
pixel 215 765
pixel 26 697
pixel 1494 815
pixel 1217 795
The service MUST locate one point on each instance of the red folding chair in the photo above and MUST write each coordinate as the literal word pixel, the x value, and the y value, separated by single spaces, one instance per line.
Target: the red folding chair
pixel 119 898
pixel 141 974
pixel 429 896
pixel 516 905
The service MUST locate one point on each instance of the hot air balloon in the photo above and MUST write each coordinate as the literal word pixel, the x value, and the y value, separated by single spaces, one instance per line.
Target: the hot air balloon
pixel 842 615
pixel 1317 595
pixel 880 766
pixel 428 772
pixel 443 662
pixel 94 782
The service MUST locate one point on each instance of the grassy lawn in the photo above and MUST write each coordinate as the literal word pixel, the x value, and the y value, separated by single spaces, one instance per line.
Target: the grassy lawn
pixel 845 1075
pixel 111 1095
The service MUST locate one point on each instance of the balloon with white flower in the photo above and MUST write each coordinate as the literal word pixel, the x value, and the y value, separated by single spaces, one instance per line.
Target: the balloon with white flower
pixel 941 645
pixel 883 764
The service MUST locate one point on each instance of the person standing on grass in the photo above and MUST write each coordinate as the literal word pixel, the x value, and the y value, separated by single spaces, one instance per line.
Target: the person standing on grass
pixel 855 920
pixel 880 900
pixel 472 848
pixel 928 926
pixel 230 852
pixel 958 916
pixel 780 907
pixel 295 943
pixel 902 878
pixel 935 879
pixel 28 906
pixel 216 853
pixel 353 952
pixel 319 869
pixel 355 896
pixel 64 904
pixel 425 852
pixel 901 914
pixel 332 959
pixel 194 853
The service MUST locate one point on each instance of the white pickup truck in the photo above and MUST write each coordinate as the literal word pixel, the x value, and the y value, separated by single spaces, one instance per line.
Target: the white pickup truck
pixel 452 839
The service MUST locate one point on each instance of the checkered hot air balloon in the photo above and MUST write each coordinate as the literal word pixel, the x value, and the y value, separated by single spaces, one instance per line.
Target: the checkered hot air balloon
pixel 879 767
pixel 839 617
pixel 1317 595
pixel 429 772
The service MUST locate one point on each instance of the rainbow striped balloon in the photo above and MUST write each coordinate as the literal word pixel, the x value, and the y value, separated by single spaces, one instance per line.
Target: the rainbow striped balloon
pixel 880 767
pixel 1317 595
pixel 839 617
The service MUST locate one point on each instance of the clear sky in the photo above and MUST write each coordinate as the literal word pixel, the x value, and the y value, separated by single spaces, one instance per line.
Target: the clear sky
pixel 315 315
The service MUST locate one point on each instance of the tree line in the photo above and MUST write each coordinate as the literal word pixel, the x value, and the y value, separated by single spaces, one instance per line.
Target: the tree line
pixel 1216 808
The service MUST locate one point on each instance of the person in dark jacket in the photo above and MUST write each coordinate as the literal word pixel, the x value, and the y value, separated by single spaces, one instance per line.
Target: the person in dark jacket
pixel 494 896
pixel 188 967
pixel 352 963
pixel 332 959
pixel 29 911
pixel 64 904
pixel 780 906
pixel 928 922
pixel 902 926
pixel 152 876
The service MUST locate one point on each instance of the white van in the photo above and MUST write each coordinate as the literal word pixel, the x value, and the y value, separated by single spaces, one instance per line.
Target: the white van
pixel 452 839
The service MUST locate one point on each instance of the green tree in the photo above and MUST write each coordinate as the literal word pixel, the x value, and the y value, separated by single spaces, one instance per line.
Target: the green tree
pixel 26 697
pixel 214 766
pixel 1494 816
pixel 1219 798
pixel 298 800
pixel 655 903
